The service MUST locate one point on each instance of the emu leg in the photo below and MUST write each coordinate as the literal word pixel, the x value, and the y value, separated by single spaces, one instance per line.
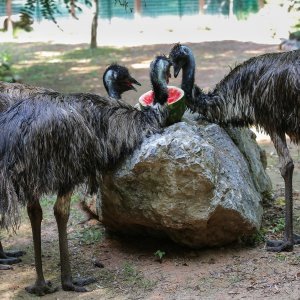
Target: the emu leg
pixel 61 212
pixel 286 170
pixel 6 259
pixel 41 287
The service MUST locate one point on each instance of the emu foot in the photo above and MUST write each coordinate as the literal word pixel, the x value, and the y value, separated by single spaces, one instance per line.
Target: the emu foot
pixel 5 267
pixel 77 284
pixel 279 246
pixel 83 281
pixel 41 289
pixel 9 260
pixel 296 238
pixel 14 253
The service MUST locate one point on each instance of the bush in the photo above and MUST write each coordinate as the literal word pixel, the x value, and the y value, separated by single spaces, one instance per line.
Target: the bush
pixel 6 71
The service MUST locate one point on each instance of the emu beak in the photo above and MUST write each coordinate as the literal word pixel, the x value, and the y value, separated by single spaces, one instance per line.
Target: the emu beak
pixel 177 69
pixel 133 81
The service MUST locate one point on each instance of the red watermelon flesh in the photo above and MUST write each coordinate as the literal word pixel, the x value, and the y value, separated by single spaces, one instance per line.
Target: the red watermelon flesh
pixel 174 95
pixel 176 103
pixel 148 98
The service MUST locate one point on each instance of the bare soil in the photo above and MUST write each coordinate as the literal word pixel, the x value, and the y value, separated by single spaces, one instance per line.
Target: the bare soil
pixel 131 270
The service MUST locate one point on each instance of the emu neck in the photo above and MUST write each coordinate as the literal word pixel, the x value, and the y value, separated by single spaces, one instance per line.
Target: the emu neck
pixel 159 83
pixel 113 93
pixel 160 90
pixel 109 84
pixel 188 76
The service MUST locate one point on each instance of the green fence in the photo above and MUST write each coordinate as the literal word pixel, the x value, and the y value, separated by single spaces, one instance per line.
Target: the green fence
pixel 155 8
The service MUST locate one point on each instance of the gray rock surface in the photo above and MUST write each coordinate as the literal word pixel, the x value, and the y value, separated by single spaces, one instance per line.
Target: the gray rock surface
pixel 193 183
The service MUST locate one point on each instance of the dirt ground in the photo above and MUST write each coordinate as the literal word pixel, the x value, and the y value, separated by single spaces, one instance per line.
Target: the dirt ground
pixel 131 269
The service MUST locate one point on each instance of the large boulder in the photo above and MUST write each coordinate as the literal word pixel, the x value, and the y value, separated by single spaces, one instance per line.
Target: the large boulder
pixel 193 183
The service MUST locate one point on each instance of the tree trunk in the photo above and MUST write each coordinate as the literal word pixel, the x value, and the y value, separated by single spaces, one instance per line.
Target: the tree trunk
pixel 8 22
pixel 231 14
pixel 72 9
pixel 95 26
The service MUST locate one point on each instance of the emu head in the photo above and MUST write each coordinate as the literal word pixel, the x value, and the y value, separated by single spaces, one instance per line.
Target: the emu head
pixel 179 55
pixel 160 75
pixel 117 80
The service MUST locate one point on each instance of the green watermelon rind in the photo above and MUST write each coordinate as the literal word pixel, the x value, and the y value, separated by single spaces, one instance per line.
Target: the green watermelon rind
pixel 176 109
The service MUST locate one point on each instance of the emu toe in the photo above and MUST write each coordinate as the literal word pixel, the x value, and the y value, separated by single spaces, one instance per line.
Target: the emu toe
pixel 84 281
pixel 69 286
pixel 15 253
pixel 296 239
pixel 77 284
pixel 9 260
pixel 41 289
pixel 279 246
pixel 5 267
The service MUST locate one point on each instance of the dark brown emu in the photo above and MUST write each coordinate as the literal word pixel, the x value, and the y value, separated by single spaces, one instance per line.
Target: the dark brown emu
pixel 51 142
pixel 9 93
pixel 116 79
pixel 263 91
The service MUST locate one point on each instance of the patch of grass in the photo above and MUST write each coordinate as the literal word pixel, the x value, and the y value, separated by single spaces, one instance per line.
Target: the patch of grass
pixel 278 226
pixel 55 76
pixel 93 54
pixel 7 72
pixel 280 201
pixel 235 279
pixel 204 283
pixel 88 235
pixel 126 279
pixel 281 257
pixel 43 71
pixel 47 203
pixel 91 235
pixel 255 239
pixel 65 69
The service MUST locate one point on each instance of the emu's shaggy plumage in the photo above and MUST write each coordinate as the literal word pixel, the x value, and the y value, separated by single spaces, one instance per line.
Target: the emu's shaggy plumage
pixel 11 92
pixel 116 79
pixel 52 142
pixel 263 91
pixel 63 139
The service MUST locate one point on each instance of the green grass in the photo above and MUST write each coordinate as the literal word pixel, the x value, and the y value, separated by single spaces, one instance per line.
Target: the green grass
pixel 47 204
pixel 255 239
pixel 88 235
pixel 62 67
pixel 93 54
pixel 278 226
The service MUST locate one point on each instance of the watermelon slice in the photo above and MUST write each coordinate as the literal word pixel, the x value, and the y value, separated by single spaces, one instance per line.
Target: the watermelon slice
pixel 176 103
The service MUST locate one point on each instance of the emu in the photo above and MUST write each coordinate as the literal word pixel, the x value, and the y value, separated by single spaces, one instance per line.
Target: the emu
pixel 116 79
pixel 263 91
pixel 6 100
pixel 52 142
